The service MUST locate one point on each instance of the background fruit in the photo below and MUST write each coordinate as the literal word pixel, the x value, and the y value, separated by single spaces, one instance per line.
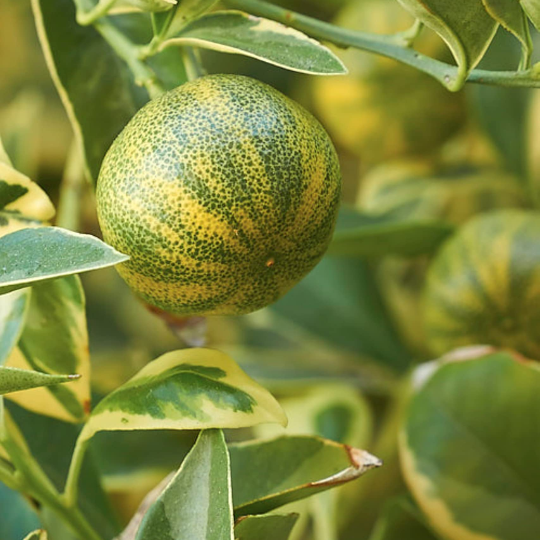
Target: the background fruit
pixel 224 193
pixel 383 109
pixel 419 190
pixel 483 286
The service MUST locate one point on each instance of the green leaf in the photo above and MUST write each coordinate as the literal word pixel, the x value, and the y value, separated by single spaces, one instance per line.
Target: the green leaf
pixel 40 534
pixel 55 341
pixel 401 520
pixel 197 504
pixel 185 389
pixel 269 474
pixel 532 8
pixel 95 85
pixel 13 308
pixel 363 235
pixel 55 459
pixel 271 527
pixel 4 158
pixel 510 15
pixel 32 256
pixel 465 25
pixel 239 33
pixel 188 11
pixel 339 303
pixel 19 194
pixel 15 380
pixel 469 446
pixel 18 515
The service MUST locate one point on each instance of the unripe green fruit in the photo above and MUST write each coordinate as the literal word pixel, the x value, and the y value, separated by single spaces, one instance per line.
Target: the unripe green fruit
pixel 223 192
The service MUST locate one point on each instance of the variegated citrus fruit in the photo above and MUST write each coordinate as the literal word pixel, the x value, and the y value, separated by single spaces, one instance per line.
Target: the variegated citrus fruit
pixel 223 192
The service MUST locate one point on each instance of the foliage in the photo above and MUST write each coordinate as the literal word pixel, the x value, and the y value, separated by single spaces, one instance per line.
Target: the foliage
pixel 127 423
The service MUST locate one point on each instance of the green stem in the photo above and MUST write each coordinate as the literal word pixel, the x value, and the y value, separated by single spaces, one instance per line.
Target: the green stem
pixel 7 476
pixel 37 485
pixel 192 64
pixel 72 483
pixel 129 52
pixel 450 76
pixel 85 18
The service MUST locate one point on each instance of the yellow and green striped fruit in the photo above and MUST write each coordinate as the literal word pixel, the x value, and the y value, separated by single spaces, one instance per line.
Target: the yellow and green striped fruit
pixel 383 109
pixel 484 285
pixel 418 190
pixel 224 193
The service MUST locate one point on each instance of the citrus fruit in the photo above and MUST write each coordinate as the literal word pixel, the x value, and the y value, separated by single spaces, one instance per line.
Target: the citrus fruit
pixel 384 109
pixel 419 190
pixel 223 192
pixel 484 285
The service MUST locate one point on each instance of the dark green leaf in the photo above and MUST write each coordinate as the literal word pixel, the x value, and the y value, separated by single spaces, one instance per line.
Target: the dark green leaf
pixel 35 255
pixel 15 380
pixel 239 33
pixel 271 527
pixel 470 446
pixel 13 307
pixel 18 515
pixel 339 303
pixel 363 235
pixel 401 520
pixel 270 473
pixel 94 84
pixel 465 25
pixel 55 459
pixel 197 503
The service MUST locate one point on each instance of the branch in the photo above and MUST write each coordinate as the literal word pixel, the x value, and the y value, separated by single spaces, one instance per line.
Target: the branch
pixel 446 74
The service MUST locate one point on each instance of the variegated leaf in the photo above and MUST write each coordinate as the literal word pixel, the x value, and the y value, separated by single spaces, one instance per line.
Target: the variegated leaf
pixel 16 380
pixel 197 503
pixel 268 474
pixel 188 11
pixel 509 14
pixel 19 194
pixel 239 33
pixel 186 389
pixel 13 308
pixel 35 255
pixel 532 8
pixel 55 341
pixel 465 25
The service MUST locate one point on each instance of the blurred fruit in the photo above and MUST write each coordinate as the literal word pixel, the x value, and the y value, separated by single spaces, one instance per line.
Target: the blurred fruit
pixel 484 285
pixel 384 109
pixel 419 190
pixel 224 193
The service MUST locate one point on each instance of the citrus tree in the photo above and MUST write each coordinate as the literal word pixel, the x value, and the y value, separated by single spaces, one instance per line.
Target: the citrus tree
pixel 306 202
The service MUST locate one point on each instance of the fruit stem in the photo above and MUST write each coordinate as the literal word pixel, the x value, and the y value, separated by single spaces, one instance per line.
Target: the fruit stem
pixel 448 75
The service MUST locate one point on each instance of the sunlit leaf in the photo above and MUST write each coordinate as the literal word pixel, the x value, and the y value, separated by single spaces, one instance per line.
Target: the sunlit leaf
pixel 186 389
pixel 363 235
pixel 197 502
pixel 13 307
pixel 32 256
pixel 19 194
pixel 55 341
pixel 532 8
pixel 239 33
pixel 15 380
pixel 465 25
pixel 94 83
pixel 268 474
pixel 473 423
pixel 270 527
